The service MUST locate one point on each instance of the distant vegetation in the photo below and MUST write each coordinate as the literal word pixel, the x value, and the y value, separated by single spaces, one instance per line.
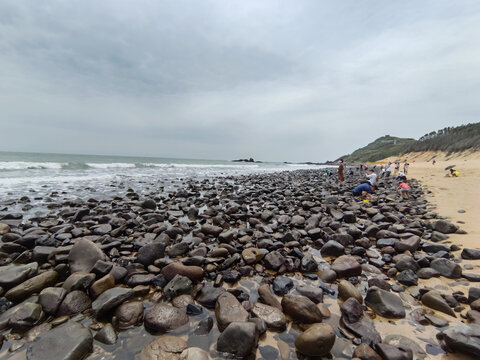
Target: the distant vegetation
pixel 381 148
pixel 449 139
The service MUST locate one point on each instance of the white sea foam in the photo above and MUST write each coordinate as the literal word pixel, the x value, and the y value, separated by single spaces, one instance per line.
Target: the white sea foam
pixel 25 165
pixel 110 165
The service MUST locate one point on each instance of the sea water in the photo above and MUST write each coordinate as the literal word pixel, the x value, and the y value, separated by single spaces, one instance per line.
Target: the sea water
pixel 37 176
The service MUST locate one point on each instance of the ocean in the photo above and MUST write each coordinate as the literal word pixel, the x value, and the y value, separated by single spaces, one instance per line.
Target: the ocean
pixel 38 176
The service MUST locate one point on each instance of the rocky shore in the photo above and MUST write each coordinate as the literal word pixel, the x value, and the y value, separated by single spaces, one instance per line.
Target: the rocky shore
pixel 279 266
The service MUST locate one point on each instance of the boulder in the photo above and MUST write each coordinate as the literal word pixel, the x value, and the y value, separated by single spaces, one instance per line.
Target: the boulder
pixel 11 275
pixel 228 309
pixel 444 227
pixel 301 309
pixel 83 256
pixel 110 299
pixel 164 348
pixel 463 338
pixel 70 341
pixel 32 286
pixel 164 318
pixel 433 300
pixel 128 314
pixel 317 340
pixel 194 273
pixel 239 338
pixel 74 302
pixel 447 268
pixel 273 317
pixel 385 303
pixel 346 266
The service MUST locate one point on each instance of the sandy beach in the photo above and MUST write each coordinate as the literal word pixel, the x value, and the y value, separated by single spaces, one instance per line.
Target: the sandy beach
pixel 450 194
pixel 457 200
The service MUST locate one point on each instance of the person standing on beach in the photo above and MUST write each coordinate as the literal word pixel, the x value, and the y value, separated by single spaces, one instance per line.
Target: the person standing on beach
pixel 340 170
pixel 371 176
pixel 405 168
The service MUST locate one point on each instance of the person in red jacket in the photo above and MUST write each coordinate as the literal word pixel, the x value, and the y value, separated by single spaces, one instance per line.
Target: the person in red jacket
pixel 404 190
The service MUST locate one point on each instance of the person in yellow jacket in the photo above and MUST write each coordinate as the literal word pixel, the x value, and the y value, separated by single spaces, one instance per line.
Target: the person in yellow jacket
pixel 454 173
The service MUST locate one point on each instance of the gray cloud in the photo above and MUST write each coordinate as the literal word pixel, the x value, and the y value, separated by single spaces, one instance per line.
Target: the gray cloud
pixel 276 80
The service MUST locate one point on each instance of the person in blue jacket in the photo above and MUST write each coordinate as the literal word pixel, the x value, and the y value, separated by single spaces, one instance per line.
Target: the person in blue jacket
pixel 363 190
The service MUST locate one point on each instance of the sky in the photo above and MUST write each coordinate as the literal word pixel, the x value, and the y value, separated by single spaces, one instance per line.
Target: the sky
pixel 273 80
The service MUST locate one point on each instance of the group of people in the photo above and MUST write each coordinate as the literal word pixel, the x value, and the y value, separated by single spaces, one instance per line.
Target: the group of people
pixel 368 187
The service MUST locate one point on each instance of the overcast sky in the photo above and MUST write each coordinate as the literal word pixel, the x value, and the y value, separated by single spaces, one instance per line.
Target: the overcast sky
pixel 274 80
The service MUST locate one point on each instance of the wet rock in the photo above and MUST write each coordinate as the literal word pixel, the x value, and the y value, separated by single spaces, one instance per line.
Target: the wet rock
pixel 27 316
pixel 228 309
pixel 410 244
pixel 194 273
pixel 50 299
pixel 301 309
pixel 239 338
pixel 347 290
pixel 282 285
pixel 354 321
pixel 470 254
pixel 110 299
pixel 267 297
pixel 332 248
pixel 273 317
pixel 151 252
pixel 74 302
pixel 83 256
pixel 70 341
pixel 252 255
pixel 438 236
pixel 385 303
pixel 204 326
pixel 31 286
pixel 164 318
pixel 194 353
pixel 391 352
pixel 308 263
pixel 313 293
pixel 208 229
pixel 407 278
pixel 102 285
pixel 444 227
pixel 317 340
pixel 78 281
pixel 164 348
pixel 408 343
pixel 427 273
pixel 273 260
pixel 447 268
pixel 106 335
pixel 473 294
pixel 128 315
pixel 365 352
pixel 434 301
pixel 346 266
pixel 179 285
pixel 462 338
pixel 436 321
pixel 12 275
pixel 208 295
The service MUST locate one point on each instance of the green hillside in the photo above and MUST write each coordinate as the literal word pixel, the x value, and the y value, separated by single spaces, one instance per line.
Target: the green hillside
pixel 381 148
pixel 449 139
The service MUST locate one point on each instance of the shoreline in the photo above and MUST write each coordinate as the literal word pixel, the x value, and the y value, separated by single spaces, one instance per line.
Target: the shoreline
pixel 207 231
